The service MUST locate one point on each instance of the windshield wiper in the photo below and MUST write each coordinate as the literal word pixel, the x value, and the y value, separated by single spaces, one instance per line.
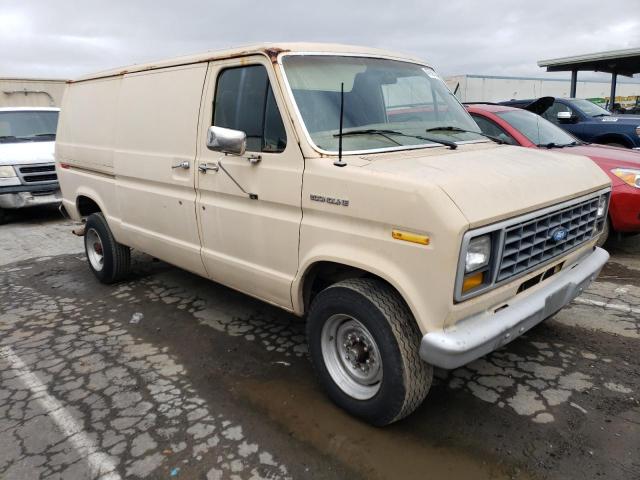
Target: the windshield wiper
pixel 601 115
pixel 386 133
pixel 559 145
pixel 38 137
pixel 462 130
pixel 4 138
pixel 371 131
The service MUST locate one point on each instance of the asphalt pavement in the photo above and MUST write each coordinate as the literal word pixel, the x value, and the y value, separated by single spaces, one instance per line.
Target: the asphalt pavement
pixel 168 375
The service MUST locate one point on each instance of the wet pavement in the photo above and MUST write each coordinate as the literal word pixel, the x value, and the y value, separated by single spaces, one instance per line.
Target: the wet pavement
pixel 169 375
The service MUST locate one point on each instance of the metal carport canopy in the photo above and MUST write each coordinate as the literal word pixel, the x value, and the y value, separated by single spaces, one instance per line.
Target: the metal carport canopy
pixel 616 62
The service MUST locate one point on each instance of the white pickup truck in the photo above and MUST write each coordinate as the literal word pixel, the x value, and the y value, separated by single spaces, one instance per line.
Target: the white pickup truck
pixel 27 169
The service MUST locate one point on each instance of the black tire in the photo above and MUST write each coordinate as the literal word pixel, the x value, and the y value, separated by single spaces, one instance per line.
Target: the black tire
pixel 604 236
pixel 3 216
pixel 116 262
pixel 616 144
pixel 406 379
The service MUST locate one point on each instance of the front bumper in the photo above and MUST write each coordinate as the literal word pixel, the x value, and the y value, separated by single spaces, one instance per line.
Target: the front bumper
pixel 29 199
pixel 487 331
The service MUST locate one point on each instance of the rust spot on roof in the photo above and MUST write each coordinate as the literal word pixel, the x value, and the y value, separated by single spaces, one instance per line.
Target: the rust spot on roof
pixel 273 53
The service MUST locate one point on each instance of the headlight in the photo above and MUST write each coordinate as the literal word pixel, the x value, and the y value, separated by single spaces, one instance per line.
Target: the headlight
pixel 7 171
pixel 478 253
pixel 602 206
pixel 628 176
pixel 638 130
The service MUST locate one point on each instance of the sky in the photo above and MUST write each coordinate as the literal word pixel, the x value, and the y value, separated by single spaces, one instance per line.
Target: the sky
pixel 68 38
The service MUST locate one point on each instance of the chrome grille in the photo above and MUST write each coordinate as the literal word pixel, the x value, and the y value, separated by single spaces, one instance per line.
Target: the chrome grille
pixel 530 243
pixel 37 174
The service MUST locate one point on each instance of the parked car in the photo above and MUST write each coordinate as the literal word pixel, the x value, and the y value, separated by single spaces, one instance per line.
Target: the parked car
pixel 586 120
pixel 344 184
pixel 27 168
pixel 526 129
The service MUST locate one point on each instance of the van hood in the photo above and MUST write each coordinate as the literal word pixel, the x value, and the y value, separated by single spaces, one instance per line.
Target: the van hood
pixel 26 153
pixel 489 182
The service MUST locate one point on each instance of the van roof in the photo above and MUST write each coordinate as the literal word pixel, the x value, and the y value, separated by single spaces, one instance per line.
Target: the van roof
pixel 271 50
pixel 29 109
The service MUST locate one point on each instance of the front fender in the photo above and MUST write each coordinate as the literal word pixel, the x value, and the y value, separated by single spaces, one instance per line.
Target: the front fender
pixel 616 137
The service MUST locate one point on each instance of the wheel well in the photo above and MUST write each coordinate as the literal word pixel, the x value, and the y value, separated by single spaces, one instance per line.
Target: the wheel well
pixel 86 206
pixel 322 274
pixel 613 138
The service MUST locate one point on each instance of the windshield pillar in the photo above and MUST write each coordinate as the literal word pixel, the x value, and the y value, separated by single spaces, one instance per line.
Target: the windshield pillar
pixel 612 96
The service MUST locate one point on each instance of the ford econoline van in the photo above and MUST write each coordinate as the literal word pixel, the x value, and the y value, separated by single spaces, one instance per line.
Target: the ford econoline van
pixel 346 185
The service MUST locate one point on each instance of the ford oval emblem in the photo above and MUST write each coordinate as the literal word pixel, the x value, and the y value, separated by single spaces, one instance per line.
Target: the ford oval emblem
pixel 559 234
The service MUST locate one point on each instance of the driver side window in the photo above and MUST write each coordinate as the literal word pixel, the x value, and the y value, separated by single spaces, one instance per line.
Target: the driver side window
pixel 552 112
pixel 244 101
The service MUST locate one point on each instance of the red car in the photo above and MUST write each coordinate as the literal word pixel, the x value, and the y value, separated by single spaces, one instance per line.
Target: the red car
pixel 523 128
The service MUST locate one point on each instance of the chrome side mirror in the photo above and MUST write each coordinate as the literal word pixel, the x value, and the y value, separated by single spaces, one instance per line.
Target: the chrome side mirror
pixel 566 116
pixel 226 140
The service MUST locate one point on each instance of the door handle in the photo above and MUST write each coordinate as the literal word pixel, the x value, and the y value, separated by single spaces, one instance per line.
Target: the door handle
pixel 184 165
pixel 253 159
pixel 205 167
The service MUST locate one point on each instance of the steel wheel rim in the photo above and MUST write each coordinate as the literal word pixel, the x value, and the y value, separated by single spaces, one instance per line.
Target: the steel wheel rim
pixel 95 249
pixel 351 356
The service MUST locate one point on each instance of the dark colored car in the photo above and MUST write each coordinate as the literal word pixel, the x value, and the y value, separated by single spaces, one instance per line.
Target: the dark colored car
pixel 586 120
pixel 521 127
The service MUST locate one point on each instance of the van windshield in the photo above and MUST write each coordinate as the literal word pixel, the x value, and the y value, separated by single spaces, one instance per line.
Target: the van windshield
pixel 28 126
pixel 388 104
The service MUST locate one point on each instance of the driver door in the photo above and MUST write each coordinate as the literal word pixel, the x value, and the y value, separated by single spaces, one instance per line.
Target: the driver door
pixel 249 207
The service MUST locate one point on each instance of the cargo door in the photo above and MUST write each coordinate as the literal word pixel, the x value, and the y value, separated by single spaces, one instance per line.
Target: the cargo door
pixel 154 162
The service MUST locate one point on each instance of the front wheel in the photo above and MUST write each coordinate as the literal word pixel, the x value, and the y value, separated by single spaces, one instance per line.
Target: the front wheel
pixel 364 344
pixel 109 260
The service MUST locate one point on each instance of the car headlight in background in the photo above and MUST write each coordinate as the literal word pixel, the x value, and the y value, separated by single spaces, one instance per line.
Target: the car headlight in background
pixel 7 171
pixel 478 253
pixel 628 176
pixel 638 130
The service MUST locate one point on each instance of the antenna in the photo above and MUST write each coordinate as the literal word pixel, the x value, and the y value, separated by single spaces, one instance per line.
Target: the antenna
pixel 339 162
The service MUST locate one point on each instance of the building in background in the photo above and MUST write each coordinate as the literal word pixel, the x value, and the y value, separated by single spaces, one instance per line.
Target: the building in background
pixel 487 88
pixel 31 92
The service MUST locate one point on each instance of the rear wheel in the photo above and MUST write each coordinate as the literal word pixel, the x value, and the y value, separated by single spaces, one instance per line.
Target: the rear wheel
pixel 364 343
pixel 109 260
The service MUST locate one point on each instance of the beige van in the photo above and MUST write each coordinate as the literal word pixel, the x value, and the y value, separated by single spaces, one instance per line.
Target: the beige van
pixel 343 184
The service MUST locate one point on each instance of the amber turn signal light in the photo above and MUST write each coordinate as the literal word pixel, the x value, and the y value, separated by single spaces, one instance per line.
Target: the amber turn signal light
pixel 472 281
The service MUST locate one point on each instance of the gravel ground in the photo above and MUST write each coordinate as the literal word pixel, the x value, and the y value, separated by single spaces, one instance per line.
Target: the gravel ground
pixel 169 375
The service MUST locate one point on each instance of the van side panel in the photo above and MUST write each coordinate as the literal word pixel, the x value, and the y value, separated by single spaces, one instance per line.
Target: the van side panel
pixel 156 131
pixel 84 144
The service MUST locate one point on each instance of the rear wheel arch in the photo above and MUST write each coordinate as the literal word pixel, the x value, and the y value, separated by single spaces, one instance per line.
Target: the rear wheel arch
pixel 87 205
